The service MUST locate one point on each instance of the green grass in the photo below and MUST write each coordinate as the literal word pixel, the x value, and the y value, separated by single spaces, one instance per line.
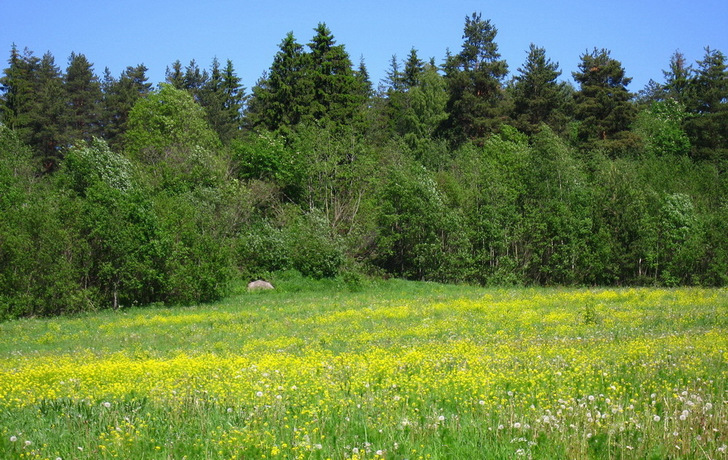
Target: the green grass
pixel 390 369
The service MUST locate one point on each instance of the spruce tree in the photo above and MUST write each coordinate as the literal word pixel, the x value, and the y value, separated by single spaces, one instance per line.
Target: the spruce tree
pixel 475 81
pixel 337 93
pixel 707 102
pixel 603 103
pixel 175 76
pixel 50 114
pixel 537 95
pixel 119 97
pixel 414 67
pixel 283 97
pixel 18 85
pixel 84 96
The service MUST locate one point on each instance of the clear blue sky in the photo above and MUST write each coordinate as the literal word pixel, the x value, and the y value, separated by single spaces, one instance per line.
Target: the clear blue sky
pixel 642 34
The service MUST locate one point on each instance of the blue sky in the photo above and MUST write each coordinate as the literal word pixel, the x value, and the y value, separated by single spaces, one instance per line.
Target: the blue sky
pixel 642 34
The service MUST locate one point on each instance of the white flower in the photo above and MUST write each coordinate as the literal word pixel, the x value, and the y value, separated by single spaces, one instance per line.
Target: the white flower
pixel 355 450
pixel 591 398
pixel 259 394
pixel 516 425
pixel 656 418
pixel 441 418
pixel 380 452
pixel 481 402
pixel 229 410
pixel 708 406
pixel 27 443
pixel 106 404
pixel 13 438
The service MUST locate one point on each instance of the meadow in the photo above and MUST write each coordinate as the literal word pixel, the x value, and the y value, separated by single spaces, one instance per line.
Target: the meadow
pixel 394 370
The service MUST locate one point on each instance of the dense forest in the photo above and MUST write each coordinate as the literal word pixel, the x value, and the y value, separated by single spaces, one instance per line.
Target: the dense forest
pixel 114 192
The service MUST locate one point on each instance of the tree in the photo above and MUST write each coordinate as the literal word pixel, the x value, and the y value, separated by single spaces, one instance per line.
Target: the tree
pixel 119 96
pixel 537 96
pixel 413 69
pixel 175 76
pixel 283 98
pixel 50 114
pixel 18 86
pixel 84 96
pixel 169 135
pixel 708 105
pixel 677 78
pixel 337 93
pixel 603 104
pixel 475 77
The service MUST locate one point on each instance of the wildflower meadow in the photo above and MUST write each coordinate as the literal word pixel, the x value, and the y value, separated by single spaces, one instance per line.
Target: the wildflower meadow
pixel 396 370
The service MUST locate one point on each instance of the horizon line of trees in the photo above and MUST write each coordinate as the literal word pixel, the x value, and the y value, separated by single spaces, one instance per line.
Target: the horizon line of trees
pixel 113 192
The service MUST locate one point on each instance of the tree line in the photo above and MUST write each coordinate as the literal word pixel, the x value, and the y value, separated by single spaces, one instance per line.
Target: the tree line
pixel 114 192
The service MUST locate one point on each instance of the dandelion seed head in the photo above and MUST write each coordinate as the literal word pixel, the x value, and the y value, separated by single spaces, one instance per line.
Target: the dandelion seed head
pixel 656 418
pixel 13 438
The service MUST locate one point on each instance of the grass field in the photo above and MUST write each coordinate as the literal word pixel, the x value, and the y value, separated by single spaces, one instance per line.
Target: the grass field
pixel 397 370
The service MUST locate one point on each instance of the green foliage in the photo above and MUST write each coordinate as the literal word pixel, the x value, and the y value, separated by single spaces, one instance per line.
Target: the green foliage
pixel 475 77
pixel 302 242
pixel 168 134
pixel 661 128
pixel 537 96
pixel 603 103
pixel 93 163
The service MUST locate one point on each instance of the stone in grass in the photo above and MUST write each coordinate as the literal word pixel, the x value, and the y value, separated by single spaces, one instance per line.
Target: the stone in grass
pixel 259 285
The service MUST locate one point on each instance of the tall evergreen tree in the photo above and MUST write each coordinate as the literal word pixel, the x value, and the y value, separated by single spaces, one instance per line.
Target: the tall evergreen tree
pixel 50 113
pixel 708 104
pixel 175 76
pixel 221 97
pixel 283 97
pixel 413 69
pixel 537 96
pixel 394 81
pixel 603 103
pixel 475 77
pixel 677 77
pixel 84 96
pixel 18 85
pixel 195 79
pixel 337 93
pixel 119 97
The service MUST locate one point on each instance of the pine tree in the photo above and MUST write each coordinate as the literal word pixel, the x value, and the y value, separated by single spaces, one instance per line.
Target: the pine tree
pixel 475 81
pixel 119 97
pixel 18 85
pixel 395 79
pixel 677 78
pixel 414 67
pixel 707 102
pixel 84 95
pixel 175 76
pixel 221 97
pixel 194 79
pixel 603 103
pixel 337 93
pixel 49 117
pixel 283 97
pixel 537 96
